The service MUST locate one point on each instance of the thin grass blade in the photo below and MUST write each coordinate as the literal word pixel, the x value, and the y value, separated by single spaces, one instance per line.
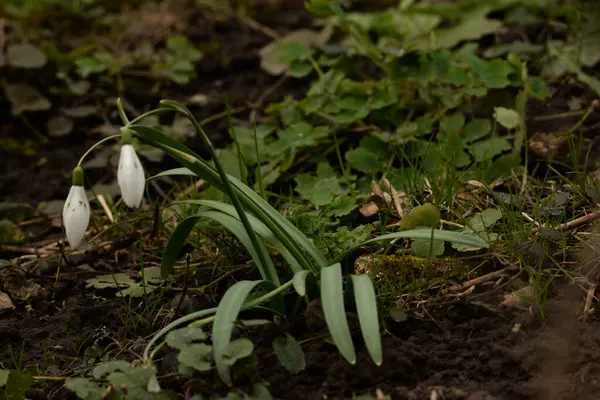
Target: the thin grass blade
pixel 332 297
pixel 227 313
pixel 366 306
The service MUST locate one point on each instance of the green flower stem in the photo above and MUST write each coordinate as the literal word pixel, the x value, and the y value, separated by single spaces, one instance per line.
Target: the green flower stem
pixel 204 313
pixel 122 114
pixel 126 121
pixel 106 139
pixel 155 111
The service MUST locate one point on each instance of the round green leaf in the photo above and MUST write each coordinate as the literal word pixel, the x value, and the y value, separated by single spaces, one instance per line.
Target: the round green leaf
pixel 180 338
pixel 507 117
pixel 59 126
pixel 24 97
pixel 25 56
pixel 289 353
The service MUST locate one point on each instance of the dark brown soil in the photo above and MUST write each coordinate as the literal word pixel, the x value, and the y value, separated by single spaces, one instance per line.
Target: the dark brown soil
pixel 465 351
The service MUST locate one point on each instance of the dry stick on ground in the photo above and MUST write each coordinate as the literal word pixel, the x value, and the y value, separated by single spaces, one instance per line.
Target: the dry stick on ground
pixel 478 280
pixel 106 208
pixel 576 223
pixel 586 219
pixel 257 26
pixel 395 197
pixel 588 301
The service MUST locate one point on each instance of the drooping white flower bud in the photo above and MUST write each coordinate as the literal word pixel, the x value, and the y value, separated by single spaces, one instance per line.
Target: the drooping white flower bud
pixel 130 174
pixel 76 211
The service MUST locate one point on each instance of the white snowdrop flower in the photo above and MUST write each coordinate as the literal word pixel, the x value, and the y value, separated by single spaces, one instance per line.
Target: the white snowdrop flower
pixel 130 177
pixel 76 211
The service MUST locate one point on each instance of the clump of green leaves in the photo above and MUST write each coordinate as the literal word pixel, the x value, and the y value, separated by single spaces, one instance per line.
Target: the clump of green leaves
pixel 195 355
pixel 120 379
pixel 126 285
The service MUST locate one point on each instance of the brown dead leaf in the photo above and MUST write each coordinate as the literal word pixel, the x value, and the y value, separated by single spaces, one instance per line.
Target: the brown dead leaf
pixel 547 145
pixel 6 303
pixel 520 298
pixel 369 209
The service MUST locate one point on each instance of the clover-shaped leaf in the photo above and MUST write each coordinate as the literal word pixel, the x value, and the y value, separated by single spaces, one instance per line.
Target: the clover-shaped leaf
pixel 236 350
pixel 197 356
pixel 24 97
pixel 181 338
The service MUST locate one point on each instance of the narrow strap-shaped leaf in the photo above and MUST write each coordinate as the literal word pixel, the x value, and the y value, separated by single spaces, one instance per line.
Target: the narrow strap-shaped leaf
pixel 294 232
pixel 172 172
pixel 366 306
pixel 425 233
pixel 181 153
pixel 176 242
pixel 267 271
pixel 332 297
pixel 299 281
pixel 227 312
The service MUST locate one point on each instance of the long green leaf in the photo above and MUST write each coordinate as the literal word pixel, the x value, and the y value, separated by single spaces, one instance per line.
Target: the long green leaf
pixel 425 233
pixel 172 172
pixel 176 242
pixel 267 271
pixel 332 297
pixel 296 235
pixel 299 281
pixel 366 305
pixel 227 312
pixel 258 226
pixel 181 153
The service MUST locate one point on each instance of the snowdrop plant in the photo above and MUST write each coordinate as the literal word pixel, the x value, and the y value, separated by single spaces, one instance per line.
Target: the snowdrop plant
pixel 76 211
pixel 255 223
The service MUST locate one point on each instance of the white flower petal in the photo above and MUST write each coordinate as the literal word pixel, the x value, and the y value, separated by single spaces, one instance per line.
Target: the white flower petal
pixel 130 177
pixel 76 215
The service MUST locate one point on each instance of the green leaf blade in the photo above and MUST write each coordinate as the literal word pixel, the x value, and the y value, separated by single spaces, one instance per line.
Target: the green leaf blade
pixel 299 282
pixel 227 313
pixel 366 305
pixel 289 353
pixel 332 297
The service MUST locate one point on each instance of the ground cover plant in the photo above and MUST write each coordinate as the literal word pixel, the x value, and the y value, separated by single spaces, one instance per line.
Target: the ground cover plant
pixel 299 199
